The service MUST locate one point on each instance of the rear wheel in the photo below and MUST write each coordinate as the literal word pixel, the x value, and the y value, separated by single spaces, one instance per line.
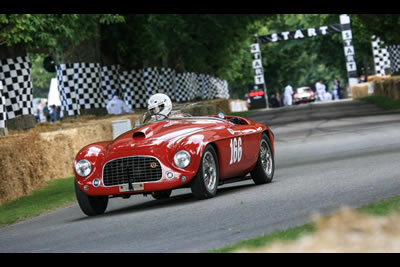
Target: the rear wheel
pixel 263 172
pixel 90 205
pixel 206 181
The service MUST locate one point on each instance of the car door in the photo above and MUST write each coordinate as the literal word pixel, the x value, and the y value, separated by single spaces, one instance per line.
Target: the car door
pixel 240 150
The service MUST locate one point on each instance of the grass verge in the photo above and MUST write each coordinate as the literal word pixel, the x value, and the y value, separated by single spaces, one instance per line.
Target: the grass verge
pixel 382 102
pixel 56 193
pixel 381 208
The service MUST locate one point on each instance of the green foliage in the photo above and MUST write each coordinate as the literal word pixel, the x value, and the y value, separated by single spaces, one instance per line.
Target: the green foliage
pixel 51 31
pixel 383 26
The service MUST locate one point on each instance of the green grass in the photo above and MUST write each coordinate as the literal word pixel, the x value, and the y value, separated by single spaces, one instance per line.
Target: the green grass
pixel 287 235
pixel 382 102
pixel 381 208
pixel 56 193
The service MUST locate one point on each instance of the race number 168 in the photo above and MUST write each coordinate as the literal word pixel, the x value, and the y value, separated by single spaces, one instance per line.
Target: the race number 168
pixel 236 150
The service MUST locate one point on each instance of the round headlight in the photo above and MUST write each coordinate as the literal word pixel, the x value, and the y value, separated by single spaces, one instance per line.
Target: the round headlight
pixel 83 167
pixel 182 159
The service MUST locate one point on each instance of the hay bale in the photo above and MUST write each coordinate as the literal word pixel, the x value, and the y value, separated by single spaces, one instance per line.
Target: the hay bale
pixel 22 165
pixel 388 87
pixel 377 77
pixel 46 152
pixel 359 90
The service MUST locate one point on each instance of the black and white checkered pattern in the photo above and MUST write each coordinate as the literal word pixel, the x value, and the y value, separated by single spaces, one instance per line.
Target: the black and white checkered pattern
pixel 184 86
pixel 87 82
pixel 205 86
pixel 84 86
pixel 167 82
pixel 222 89
pixel 199 86
pixel 110 81
pixel 394 55
pixel 381 57
pixel 66 89
pixel 2 108
pixel 80 87
pixel 194 87
pixel 133 88
pixel 151 81
pixel 15 75
pixel 213 88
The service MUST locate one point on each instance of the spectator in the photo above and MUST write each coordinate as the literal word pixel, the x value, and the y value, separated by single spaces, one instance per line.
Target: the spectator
pixel 320 89
pixel 116 106
pixel 46 112
pixel 339 88
pixel 53 113
pixel 288 95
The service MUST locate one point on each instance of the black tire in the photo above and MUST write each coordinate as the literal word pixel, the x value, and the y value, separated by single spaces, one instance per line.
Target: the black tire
pixel 264 170
pixel 91 205
pixel 205 183
pixel 161 194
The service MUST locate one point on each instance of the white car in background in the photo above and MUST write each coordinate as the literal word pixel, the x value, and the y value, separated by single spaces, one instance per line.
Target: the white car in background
pixel 304 95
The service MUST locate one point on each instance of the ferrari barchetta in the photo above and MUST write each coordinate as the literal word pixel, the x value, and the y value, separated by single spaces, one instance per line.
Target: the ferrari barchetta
pixel 169 149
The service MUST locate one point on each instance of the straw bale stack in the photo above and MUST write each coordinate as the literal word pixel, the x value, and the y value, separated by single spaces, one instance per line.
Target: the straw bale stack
pixel 46 152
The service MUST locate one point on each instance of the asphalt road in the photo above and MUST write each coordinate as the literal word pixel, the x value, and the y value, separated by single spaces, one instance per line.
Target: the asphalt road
pixel 327 155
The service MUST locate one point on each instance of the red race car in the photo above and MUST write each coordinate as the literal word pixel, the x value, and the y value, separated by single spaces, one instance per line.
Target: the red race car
pixel 170 149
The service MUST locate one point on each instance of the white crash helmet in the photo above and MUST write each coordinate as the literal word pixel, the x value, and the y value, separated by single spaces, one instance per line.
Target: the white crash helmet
pixel 160 104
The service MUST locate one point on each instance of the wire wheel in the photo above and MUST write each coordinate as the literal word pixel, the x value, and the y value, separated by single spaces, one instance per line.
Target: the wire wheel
pixel 266 157
pixel 209 171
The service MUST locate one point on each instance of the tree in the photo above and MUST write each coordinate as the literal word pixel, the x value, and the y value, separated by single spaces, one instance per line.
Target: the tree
pixel 55 34
pixel 383 26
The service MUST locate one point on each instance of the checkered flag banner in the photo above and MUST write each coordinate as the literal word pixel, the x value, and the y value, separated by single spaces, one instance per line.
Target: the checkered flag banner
pixel 110 81
pixel 184 87
pixel 87 82
pixel 167 82
pixel 381 57
pixel 133 88
pixel 15 75
pixel 66 89
pixel 394 56
pixel 2 108
pixel 213 88
pixel 80 87
pixel 151 81
pixel 222 89
pixel 84 86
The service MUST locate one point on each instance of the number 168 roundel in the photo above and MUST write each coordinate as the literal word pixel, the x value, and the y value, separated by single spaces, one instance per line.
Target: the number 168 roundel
pixel 162 153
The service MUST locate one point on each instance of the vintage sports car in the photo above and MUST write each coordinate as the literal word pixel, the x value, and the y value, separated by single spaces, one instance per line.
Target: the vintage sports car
pixel 162 153
pixel 304 95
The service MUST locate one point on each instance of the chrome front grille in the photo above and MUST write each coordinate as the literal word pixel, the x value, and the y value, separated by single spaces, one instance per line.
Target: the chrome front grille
pixel 137 169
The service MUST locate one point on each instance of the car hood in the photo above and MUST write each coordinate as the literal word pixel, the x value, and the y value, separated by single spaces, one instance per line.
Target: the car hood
pixel 158 134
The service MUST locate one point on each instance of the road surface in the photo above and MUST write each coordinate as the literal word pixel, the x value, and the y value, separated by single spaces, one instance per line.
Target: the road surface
pixel 327 155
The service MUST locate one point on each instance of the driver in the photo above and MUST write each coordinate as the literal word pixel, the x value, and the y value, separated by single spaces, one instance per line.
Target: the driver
pixel 160 106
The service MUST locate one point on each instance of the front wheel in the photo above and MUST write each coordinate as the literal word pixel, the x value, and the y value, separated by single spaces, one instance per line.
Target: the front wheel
pixel 90 205
pixel 206 181
pixel 263 172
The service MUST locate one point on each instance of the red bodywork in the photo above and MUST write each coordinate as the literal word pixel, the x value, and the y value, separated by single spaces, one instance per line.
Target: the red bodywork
pixel 163 139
